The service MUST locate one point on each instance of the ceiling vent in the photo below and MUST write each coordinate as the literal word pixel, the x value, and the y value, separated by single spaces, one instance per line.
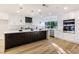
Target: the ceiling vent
pixel 20 7
pixel 44 5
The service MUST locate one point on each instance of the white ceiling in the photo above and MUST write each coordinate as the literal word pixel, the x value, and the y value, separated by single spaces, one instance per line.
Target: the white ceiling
pixel 32 9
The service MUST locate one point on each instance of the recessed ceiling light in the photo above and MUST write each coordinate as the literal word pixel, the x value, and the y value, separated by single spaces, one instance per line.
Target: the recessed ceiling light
pixel 20 4
pixel 65 8
pixel 39 10
pixel 18 11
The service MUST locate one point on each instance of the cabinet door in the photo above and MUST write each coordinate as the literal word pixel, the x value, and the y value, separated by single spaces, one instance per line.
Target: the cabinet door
pixel 36 35
pixel 28 37
pixel 42 35
pixel 15 39
pixel 20 39
pixel 9 40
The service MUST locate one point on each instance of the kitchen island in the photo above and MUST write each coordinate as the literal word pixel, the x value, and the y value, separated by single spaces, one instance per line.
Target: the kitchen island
pixel 19 38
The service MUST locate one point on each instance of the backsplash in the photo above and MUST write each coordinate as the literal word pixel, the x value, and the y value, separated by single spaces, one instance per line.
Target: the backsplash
pixel 24 27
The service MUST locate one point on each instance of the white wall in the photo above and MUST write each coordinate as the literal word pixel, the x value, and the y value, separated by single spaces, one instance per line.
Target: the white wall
pixel 14 21
pixel 3 16
pixel 3 24
pixel 68 36
pixel 37 20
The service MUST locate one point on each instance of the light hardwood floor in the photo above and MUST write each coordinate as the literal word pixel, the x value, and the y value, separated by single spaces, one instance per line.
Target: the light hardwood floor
pixel 50 46
pixel 39 47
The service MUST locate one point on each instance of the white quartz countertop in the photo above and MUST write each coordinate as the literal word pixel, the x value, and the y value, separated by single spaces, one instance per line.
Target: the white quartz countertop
pixel 2 35
pixel 23 31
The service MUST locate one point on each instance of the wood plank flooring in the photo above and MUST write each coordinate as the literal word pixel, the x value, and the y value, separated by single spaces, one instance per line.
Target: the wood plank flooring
pixel 50 46
pixel 67 46
pixel 40 47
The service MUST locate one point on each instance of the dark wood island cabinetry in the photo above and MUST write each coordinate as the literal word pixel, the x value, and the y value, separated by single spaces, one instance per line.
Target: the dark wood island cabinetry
pixel 20 38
